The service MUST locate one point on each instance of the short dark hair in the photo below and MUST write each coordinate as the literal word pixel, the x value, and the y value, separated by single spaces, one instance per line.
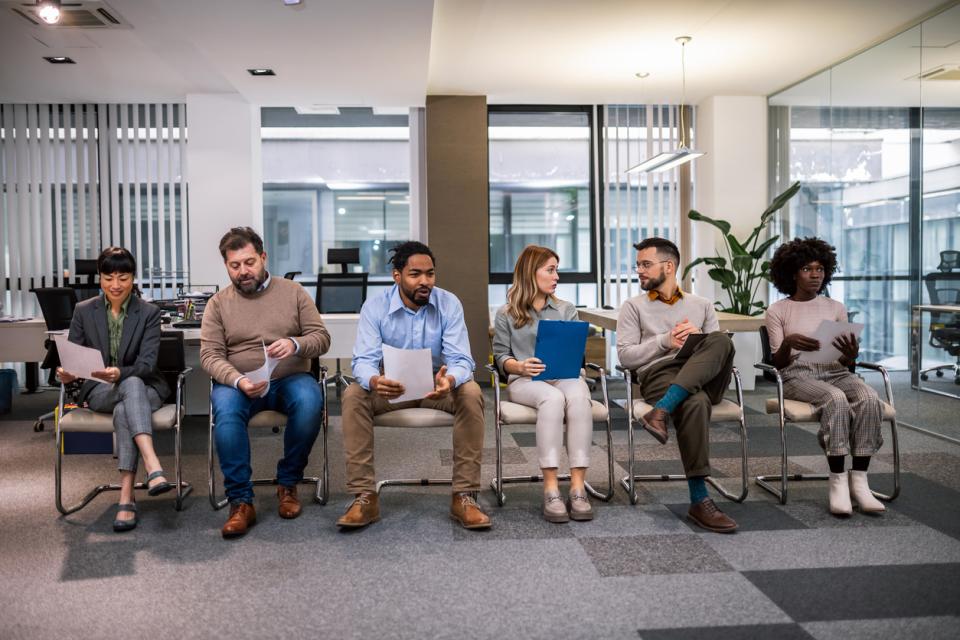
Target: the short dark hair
pixel 116 260
pixel 791 256
pixel 662 245
pixel 238 238
pixel 402 252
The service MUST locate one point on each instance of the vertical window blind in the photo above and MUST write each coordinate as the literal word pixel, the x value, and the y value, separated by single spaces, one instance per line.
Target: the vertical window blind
pixel 76 178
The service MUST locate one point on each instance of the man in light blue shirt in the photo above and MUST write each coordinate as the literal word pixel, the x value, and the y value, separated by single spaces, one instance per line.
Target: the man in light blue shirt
pixel 413 314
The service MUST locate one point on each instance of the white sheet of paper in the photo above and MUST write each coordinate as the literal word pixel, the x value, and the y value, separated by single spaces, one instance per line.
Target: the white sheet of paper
pixel 263 373
pixel 413 368
pixel 826 333
pixel 78 360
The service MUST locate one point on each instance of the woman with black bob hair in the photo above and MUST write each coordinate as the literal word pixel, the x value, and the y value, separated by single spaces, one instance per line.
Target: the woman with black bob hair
pixel 126 330
pixel 850 410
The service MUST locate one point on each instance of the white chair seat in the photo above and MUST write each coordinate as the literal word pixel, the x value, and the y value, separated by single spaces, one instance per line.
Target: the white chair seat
pixel 514 413
pixel 797 411
pixel 267 419
pixel 416 417
pixel 88 421
pixel 725 411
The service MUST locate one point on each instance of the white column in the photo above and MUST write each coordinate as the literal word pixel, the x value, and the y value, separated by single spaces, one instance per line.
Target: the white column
pixel 225 184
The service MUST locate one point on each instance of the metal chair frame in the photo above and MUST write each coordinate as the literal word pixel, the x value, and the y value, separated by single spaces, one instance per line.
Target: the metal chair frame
pixel 183 488
pixel 322 482
pixel 629 481
pixel 411 482
pixel 764 481
pixel 496 484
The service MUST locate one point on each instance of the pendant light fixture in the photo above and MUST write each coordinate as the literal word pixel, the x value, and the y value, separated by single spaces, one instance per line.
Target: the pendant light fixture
pixel 683 153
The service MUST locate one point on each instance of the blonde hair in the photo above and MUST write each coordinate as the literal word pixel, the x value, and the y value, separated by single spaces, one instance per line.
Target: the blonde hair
pixel 524 289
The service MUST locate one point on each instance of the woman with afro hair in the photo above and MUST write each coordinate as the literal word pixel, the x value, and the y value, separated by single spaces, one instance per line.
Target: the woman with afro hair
pixel 850 410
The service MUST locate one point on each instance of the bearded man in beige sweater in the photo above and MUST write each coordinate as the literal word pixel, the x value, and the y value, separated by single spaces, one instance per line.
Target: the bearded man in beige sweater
pixel 259 311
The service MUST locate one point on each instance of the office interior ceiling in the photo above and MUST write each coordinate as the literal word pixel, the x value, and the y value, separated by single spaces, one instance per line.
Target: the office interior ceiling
pixel 395 52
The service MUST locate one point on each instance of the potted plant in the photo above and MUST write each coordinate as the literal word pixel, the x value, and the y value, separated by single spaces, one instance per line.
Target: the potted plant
pixel 745 267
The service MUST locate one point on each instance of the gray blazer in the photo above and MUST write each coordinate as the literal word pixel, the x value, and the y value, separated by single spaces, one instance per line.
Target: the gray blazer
pixel 139 342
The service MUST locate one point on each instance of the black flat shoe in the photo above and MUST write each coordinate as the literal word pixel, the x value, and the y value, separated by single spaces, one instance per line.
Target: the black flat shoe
pixel 126 525
pixel 160 487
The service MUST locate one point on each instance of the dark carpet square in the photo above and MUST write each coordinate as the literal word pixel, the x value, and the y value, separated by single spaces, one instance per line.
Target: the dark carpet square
pixel 850 593
pixel 654 467
pixel 525 438
pixel 743 632
pixel 657 554
pixel 524 523
pixel 923 500
pixel 765 441
pixel 750 516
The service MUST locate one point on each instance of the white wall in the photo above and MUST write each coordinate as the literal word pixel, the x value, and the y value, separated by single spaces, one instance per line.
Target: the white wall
pixel 224 172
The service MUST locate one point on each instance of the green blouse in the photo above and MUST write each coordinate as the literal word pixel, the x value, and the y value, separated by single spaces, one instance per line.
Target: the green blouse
pixel 115 328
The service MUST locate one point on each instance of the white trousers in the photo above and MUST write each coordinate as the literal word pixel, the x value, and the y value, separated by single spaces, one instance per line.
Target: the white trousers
pixel 558 402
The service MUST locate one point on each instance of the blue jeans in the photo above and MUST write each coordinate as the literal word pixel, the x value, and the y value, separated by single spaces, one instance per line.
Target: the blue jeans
pixel 299 397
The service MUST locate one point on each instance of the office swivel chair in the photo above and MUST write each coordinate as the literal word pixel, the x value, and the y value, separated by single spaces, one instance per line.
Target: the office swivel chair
pixel 56 305
pixel 943 288
pixel 341 292
pixel 89 289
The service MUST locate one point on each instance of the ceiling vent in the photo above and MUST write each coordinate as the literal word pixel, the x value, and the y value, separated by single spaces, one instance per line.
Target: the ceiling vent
pixel 94 14
pixel 943 72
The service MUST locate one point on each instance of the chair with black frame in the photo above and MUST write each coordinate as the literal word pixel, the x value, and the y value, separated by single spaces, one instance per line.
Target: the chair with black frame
pixel 56 305
pixel 943 287
pixel 791 411
pixel 171 363
pixel 275 420
pixel 89 289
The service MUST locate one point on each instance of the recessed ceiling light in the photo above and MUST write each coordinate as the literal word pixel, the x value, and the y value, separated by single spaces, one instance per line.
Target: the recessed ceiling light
pixel 59 60
pixel 261 72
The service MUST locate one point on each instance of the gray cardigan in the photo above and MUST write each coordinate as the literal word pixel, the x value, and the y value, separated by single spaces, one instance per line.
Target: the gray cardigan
pixel 139 342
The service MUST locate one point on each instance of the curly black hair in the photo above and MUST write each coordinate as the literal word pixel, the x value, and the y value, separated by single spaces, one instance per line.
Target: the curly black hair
pixel 402 253
pixel 791 256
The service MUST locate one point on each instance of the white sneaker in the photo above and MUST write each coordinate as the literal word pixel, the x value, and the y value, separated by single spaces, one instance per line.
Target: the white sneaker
pixel 840 495
pixel 860 491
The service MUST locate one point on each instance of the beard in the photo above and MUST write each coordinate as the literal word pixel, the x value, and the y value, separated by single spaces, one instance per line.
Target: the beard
pixel 653 283
pixel 250 284
pixel 419 296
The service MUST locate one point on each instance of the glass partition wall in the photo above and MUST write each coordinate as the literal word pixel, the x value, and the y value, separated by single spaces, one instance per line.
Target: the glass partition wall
pixel 875 143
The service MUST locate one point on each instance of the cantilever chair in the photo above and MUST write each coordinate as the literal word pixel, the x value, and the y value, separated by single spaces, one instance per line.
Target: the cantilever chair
pixel 725 411
pixel 274 420
pixel 509 413
pixel 790 411
pixel 416 417
pixel 168 417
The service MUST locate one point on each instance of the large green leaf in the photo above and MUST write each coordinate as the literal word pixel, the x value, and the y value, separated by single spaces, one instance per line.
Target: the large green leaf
pixel 735 246
pixel 723 225
pixel 717 261
pixel 762 249
pixel 743 263
pixel 724 276
pixel 780 200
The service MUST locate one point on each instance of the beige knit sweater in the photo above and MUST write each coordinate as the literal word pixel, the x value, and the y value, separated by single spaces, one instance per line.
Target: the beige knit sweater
pixel 234 323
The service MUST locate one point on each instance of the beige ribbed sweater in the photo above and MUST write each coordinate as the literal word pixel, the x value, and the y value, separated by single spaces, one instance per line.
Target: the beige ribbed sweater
pixel 234 323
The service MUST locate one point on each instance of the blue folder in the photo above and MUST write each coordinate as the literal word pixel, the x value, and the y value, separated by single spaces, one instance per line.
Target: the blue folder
pixel 560 346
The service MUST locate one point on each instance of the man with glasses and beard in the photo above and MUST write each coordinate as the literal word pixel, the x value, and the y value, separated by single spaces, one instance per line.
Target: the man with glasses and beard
pixel 413 314
pixel 238 321
pixel 651 329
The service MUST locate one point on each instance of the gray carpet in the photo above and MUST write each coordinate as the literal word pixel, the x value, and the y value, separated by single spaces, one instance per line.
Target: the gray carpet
pixel 792 571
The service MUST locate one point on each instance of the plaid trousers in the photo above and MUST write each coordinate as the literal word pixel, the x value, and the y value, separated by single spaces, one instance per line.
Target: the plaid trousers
pixel 132 404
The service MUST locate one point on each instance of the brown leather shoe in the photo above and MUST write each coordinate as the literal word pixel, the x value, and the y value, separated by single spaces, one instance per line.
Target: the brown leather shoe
pixel 364 510
pixel 289 503
pixel 242 517
pixel 655 422
pixel 465 510
pixel 707 514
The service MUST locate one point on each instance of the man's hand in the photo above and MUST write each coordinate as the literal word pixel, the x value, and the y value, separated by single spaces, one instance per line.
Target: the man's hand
pixel 531 367
pixel 110 374
pixel 679 333
pixel 848 346
pixel 250 389
pixel 386 388
pixel 799 342
pixel 64 377
pixel 282 348
pixel 442 384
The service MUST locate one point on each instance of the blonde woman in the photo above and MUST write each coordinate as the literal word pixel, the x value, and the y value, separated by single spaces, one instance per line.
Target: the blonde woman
pixel 560 403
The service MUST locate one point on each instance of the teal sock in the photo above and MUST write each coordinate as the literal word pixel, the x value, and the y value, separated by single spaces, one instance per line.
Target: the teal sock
pixel 673 398
pixel 698 489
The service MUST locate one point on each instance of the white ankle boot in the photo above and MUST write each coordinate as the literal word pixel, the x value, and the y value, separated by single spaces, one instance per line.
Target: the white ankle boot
pixel 860 491
pixel 840 494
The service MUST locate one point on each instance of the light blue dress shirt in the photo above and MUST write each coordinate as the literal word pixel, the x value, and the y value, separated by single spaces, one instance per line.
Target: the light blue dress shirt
pixel 437 325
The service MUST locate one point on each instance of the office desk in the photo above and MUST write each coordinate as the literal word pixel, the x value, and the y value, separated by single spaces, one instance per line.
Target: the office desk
pixel 918 342
pixel 733 322
pixel 22 341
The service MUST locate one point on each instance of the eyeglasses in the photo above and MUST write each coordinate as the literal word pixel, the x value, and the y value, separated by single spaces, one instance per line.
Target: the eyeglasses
pixel 646 265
